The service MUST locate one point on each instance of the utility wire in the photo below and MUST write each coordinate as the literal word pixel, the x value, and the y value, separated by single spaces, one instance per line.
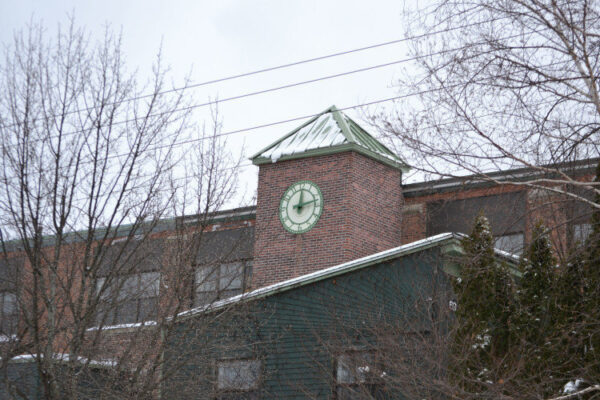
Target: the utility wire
pixel 246 164
pixel 282 66
pixel 270 124
pixel 274 89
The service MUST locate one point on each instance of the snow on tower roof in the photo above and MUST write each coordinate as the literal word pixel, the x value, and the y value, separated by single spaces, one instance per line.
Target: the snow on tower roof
pixel 326 133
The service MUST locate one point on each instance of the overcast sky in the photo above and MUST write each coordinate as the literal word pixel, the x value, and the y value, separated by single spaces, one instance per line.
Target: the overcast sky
pixel 215 39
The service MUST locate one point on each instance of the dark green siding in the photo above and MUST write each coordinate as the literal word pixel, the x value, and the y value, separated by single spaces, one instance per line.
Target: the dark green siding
pixel 297 333
pixel 20 380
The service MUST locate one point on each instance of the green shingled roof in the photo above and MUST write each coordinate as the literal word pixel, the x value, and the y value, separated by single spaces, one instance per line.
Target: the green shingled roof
pixel 326 133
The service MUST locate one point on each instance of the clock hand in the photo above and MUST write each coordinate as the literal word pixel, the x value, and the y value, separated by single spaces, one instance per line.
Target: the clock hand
pixel 300 205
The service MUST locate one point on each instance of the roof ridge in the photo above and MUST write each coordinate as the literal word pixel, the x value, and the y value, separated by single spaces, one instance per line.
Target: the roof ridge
pixel 338 116
pixel 373 137
pixel 310 121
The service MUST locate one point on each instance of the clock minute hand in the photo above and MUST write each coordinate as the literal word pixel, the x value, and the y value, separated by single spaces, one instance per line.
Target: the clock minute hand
pixel 300 205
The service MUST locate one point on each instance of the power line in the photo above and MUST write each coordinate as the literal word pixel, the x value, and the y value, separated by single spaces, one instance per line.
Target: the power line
pixel 255 127
pixel 244 165
pixel 277 88
pixel 267 125
pixel 270 124
pixel 282 66
pixel 248 164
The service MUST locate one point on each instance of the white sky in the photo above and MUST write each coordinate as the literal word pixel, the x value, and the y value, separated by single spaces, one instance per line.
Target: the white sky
pixel 215 39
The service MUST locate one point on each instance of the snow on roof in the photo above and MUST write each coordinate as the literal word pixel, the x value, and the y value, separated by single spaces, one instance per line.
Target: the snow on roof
pixel 330 129
pixel 123 326
pixel 65 357
pixel 8 338
pixel 322 132
pixel 329 272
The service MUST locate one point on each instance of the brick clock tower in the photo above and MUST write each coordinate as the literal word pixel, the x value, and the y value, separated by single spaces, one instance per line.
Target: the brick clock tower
pixel 328 192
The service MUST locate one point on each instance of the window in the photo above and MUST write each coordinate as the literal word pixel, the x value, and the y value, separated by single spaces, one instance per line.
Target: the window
pixel 221 281
pixel 131 298
pixel 9 310
pixel 241 376
pixel 512 243
pixel 581 232
pixel 506 213
pixel 358 376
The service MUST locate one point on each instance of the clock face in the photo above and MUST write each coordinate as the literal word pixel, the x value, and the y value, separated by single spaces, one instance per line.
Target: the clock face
pixel 301 207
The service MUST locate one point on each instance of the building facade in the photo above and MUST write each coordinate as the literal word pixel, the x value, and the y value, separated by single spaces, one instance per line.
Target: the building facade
pixel 328 193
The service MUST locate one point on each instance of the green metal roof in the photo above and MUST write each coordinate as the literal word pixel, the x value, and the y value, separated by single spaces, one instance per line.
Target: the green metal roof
pixel 450 249
pixel 327 133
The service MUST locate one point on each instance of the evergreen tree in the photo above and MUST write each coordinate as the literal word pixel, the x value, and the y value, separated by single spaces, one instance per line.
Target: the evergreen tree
pixel 536 321
pixel 593 241
pixel 536 288
pixel 485 297
pixel 577 328
pixel 569 328
pixel 591 309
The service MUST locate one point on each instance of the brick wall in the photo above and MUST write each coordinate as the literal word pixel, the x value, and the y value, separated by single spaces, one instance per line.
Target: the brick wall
pixel 551 208
pixel 414 222
pixel 361 215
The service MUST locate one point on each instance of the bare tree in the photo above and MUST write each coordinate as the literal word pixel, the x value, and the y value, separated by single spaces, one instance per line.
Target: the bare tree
pixel 89 192
pixel 505 84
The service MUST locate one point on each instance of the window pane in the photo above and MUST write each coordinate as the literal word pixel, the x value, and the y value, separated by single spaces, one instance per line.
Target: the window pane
pixel 206 278
pixel 225 294
pixel 9 304
pixel 129 288
pixel 8 325
pixel 232 276
pixel 203 298
pixel 127 312
pixel 581 232
pixel 9 314
pixel 148 309
pixel 107 292
pixel 344 371
pixel 511 243
pixel 355 368
pixel 149 284
pixel 238 374
pixel 105 314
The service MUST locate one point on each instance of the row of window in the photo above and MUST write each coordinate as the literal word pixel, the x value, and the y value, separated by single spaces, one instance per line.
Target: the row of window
pixel 515 242
pixel 357 375
pixel 134 298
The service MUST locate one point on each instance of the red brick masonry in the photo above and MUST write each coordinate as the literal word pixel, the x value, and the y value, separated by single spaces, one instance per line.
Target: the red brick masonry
pixel 361 215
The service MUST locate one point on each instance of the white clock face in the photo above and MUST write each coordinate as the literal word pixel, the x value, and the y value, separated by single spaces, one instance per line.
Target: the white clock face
pixel 301 207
